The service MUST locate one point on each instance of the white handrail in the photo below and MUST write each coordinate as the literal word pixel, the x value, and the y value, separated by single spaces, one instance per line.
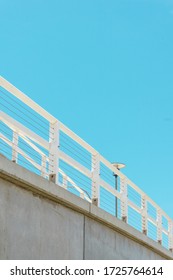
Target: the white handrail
pixel 49 165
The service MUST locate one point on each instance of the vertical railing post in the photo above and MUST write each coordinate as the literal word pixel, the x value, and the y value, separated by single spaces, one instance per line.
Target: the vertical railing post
pixel 14 146
pixel 64 182
pixel 124 199
pixel 144 215
pixel 43 166
pixel 170 235
pixel 54 152
pixel 159 226
pixel 96 179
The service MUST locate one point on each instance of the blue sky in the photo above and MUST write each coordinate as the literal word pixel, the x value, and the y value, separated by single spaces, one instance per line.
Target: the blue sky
pixel 103 68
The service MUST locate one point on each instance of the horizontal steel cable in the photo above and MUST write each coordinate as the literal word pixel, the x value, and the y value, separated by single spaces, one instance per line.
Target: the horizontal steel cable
pixel 25 109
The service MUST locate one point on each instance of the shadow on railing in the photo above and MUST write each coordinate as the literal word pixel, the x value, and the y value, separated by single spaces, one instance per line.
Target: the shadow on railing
pixel 33 138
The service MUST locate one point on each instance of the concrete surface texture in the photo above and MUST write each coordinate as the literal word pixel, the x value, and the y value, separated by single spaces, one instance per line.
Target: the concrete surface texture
pixel 40 220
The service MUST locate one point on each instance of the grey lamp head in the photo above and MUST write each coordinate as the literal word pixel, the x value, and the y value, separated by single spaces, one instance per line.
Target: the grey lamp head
pixel 118 165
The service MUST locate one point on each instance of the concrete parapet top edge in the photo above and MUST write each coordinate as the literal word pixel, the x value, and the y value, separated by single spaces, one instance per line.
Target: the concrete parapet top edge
pixel 24 178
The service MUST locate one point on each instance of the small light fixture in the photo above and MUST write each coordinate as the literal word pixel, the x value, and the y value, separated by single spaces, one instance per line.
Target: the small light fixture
pixel 118 165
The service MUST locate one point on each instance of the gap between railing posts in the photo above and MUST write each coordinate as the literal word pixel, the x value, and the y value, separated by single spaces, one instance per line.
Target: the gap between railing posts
pixel 54 132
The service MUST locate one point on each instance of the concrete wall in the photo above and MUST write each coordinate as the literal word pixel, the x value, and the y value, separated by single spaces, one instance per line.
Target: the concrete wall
pixel 40 220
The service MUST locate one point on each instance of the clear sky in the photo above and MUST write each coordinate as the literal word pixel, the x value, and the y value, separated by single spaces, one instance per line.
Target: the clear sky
pixel 105 69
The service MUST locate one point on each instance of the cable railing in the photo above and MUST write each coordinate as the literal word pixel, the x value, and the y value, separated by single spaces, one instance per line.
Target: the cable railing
pixel 36 140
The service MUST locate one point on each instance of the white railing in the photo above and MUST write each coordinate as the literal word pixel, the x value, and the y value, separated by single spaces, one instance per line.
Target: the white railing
pixel 64 158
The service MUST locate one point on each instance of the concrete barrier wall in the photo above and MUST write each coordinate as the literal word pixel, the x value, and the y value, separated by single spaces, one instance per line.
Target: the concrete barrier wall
pixel 40 220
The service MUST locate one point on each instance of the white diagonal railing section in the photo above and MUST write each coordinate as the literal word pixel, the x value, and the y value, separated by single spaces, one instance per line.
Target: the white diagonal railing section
pixel 30 136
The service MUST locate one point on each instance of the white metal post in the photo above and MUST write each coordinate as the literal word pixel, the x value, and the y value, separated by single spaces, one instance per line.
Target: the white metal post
pixel 124 199
pixel 54 152
pixel 159 226
pixel 144 215
pixel 64 182
pixel 170 235
pixel 15 146
pixel 96 179
pixel 43 166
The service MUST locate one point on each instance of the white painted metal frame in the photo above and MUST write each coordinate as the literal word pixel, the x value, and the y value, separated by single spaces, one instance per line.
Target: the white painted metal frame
pixel 55 154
